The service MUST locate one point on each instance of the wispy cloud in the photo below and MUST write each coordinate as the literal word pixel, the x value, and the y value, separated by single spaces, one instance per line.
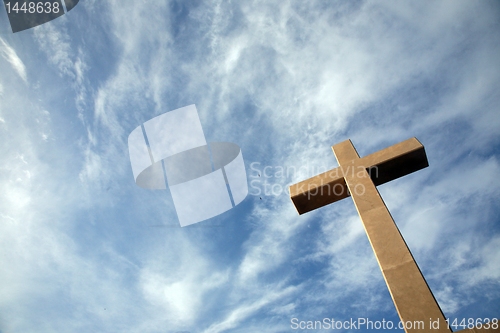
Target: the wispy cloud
pixel 245 309
pixel 11 56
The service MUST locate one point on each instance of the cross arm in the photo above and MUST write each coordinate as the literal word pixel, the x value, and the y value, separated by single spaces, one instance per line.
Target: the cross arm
pixel 395 161
pixel 383 166
pixel 319 191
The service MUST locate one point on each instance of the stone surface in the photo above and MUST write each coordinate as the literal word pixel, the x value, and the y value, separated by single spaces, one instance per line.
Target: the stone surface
pixel 358 177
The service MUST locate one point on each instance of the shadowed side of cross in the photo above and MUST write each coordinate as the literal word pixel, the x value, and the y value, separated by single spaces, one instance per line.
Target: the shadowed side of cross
pixel 358 177
pixel 381 167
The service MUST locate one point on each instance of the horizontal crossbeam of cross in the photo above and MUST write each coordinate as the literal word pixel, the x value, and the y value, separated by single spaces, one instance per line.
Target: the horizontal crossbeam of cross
pixel 383 166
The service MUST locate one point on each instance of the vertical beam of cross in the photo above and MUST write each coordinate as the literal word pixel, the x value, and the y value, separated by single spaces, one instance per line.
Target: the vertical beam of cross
pixel 414 301
pixel 412 297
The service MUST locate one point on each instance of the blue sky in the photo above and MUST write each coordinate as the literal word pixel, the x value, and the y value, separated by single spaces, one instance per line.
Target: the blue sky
pixel 83 249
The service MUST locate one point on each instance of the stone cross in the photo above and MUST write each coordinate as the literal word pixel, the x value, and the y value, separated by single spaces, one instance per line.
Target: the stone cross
pixel 358 177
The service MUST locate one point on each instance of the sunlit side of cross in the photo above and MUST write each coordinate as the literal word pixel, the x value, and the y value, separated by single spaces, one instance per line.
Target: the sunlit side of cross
pixel 358 177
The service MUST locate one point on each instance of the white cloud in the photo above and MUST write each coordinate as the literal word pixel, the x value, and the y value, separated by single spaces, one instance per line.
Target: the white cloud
pixel 266 248
pixel 11 56
pixel 245 310
pixel 56 45
pixel 489 267
pixel 69 61
pixel 178 282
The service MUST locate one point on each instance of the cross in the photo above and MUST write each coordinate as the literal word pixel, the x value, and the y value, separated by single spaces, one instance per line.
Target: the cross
pixel 358 177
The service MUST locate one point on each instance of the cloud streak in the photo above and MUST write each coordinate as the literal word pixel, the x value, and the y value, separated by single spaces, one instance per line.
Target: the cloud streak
pixel 11 56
